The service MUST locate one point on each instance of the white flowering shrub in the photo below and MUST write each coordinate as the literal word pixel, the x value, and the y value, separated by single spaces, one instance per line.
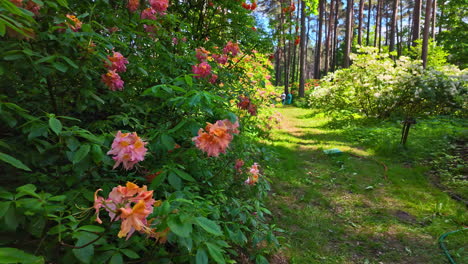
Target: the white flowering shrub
pixel 375 85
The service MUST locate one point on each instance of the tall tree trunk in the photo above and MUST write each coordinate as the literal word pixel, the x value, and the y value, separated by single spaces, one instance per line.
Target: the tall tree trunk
pixel 319 41
pixel 427 25
pixel 335 36
pixel 393 25
pixel 377 16
pixel 369 14
pixel 380 24
pixel 410 31
pixel 434 16
pixel 302 52
pixel 387 25
pixel 329 35
pixel 349 33
pixel 285 57
pixel 361 15
pixel 416 21
pixel 307 74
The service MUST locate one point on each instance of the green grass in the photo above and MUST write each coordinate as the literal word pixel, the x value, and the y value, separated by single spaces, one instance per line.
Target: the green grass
pixel 341 209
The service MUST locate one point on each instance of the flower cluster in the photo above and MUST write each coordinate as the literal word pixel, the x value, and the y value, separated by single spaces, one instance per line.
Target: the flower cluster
pixel 253 175
pixel 30 5
pixel 297 40
pixel 238 165
pixel 112 80
pixel 133 5
pixel 130 204
pixel 202 70
pixel 250 7
pixel 246 104
pixel 202 54
pixel 72 22
pixel 128 149
pixel 215 139
pixel 116 64
pixel 159 5
pixel 231 48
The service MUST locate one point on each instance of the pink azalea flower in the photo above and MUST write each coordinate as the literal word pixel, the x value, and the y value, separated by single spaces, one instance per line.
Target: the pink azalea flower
pixel 117 62
pixel 254 174
pixel 175 41
pixel 127 149
pixel 231 48
pixel 33 7
pixel 112 80
pixel 201 54
pixel 150 28
pixel 201 70
pixel 221 59
pixel 213 78
pixel 148 13
pixel 239 164
pixel 159 5
pixel 133 5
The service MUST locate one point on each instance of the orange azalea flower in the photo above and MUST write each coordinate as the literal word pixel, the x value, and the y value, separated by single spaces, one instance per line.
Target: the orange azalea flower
pixel 133 219
pixel 215 139
pixel 76 23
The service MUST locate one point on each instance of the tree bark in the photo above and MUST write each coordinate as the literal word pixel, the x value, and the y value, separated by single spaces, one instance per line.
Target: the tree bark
pixel 349 33
pixel 369 14
pixel 319 42
pixel 329 35
pixel 361 15
pixel 302 48
pixel 377 16
pixel 427 25
pixel 416 21
pixel 335 36
pixel 393 25
pixel 434 16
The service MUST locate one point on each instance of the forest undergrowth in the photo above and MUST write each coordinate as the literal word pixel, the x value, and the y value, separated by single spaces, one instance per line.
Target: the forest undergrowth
pixel 344 207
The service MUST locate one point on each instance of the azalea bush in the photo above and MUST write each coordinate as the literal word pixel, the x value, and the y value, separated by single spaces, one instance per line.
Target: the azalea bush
pixel 377 86
pixel 127 132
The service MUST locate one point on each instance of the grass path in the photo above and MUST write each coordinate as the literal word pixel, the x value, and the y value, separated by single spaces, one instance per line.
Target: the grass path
pixel 340 209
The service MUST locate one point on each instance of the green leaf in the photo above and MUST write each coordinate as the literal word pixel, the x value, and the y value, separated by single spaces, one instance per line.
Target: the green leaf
pixel 178 227
pixel 2 29
pixel 201 257
pixel 96 153
pixel 130 253
pixel 60 67
pixel 63 3
pixel 28 189
pixel 167 141
pixel 14 255
pixel 175 181
pixel 85 254
pixel 55 125
pixel 209 226
pixel 184 175
pixel 215 252
pixel 116 259
pixel 261 260
pixel 72 143
pixel 70 62
pixel 4 206
pixel 189 80
pixel 92 228
pixel 14 162
pixel 81 153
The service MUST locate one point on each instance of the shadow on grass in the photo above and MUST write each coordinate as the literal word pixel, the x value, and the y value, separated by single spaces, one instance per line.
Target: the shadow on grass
pixel 339 208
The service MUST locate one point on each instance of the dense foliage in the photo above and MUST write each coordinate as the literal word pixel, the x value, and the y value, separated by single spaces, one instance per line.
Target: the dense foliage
pixel 377 86
pixel 104 108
